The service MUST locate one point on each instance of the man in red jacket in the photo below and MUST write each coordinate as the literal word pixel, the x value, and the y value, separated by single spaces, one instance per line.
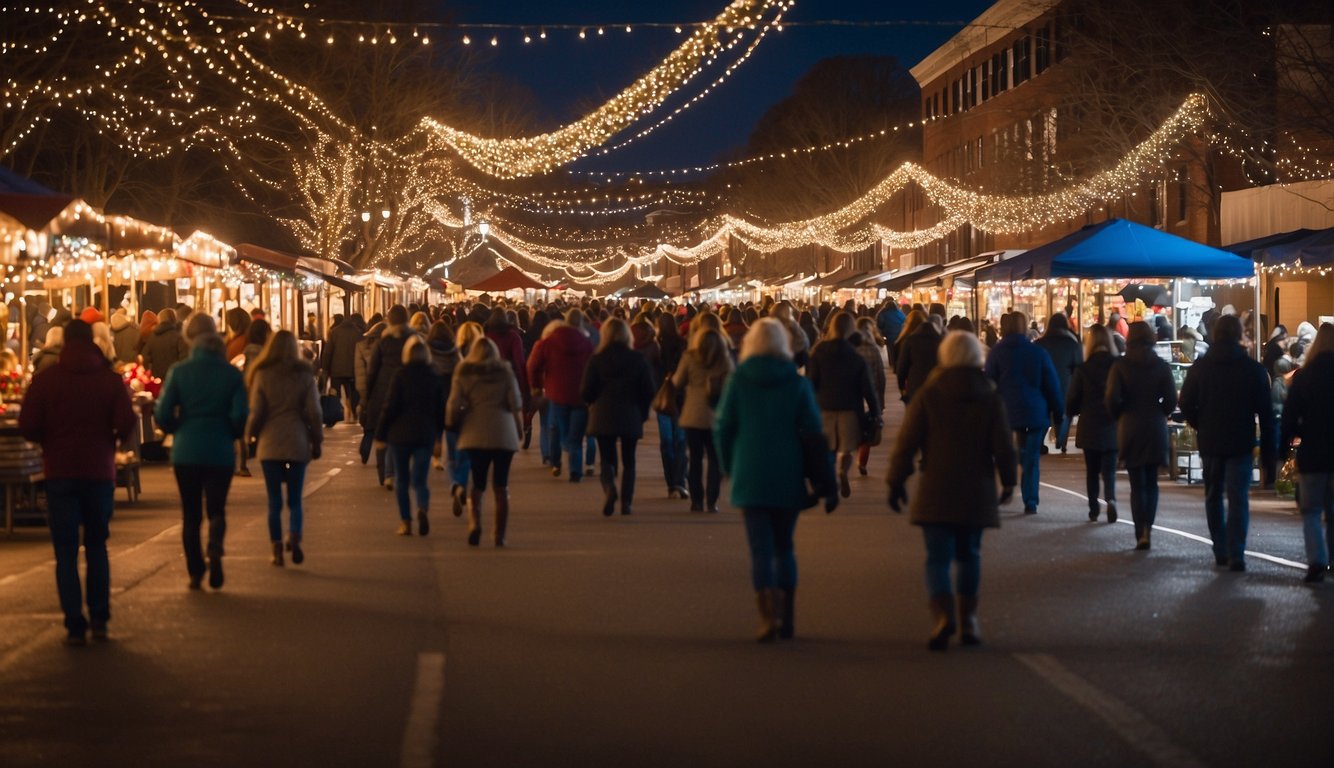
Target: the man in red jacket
pixel 77 410
pixel 557 367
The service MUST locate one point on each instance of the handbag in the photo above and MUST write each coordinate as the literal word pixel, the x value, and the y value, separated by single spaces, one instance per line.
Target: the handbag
pixel 817 467
pixel 665 401
pixel 872 428
pixel 331 409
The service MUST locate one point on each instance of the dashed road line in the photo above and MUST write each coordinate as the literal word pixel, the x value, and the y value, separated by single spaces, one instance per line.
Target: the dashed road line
pixel 421 735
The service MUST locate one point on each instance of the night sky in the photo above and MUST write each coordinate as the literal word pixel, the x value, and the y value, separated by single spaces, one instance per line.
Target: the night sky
pixel 567 76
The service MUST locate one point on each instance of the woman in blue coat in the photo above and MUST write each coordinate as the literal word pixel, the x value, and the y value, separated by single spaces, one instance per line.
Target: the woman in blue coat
pixel 766 406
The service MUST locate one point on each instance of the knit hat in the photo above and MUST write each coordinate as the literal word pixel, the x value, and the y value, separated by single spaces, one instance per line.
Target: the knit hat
pixel 90 316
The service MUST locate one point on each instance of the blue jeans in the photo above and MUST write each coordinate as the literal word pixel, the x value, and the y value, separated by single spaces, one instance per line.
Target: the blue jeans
pixel 946 543
pixel 672 446
pixel 1029 442
pixel 276 475
pixel 570 422
pixel 546 441
pixel 773 559
pixel 1317 489
pixel 459 463
pixel 1228 476
pixel 71 504
pixel 1143 496
pixel 412 467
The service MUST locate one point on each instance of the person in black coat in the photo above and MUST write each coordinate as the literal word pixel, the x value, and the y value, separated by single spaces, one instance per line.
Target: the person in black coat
pixel 1308 414
pixel 1066 354
pixel 1141 394
pixel 386 359
pixel 1096 433
pixel 410 424
pixel 671 435
pixel 340 357
pixel 916 357
pixel 1223 395
pixel 842 382
pixel 618 388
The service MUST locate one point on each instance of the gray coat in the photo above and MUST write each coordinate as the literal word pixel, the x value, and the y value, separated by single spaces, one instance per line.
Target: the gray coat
pixel 693 376
pixel 1140 396
pixel 125 337
pixel 483 401
pixel 285 413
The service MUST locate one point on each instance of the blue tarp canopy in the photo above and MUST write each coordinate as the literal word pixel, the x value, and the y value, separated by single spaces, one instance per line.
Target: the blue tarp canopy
pixel 1120 249
pixel 1301 247
pixel 1248 248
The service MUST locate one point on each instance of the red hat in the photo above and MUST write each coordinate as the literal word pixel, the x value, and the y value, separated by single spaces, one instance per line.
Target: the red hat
pixel 90 316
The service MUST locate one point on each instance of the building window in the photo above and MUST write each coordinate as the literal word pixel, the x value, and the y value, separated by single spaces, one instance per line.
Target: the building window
pixel 1022 47
pixel 1003 73
pixel 1041 54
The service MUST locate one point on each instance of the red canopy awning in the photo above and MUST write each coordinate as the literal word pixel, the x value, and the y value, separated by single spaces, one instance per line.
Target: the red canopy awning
pixel 507 279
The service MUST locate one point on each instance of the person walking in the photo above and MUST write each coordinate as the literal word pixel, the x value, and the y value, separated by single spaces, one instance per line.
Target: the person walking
pixel 1026 379
pixel 868 343
pixel 618 388
pixel 915 353
pixel 203 405
pixel 165 346
pixel 702 375
pixel 257 335
pixel 1141 394
pixel 238 324
pixel 78 411
pixel 1223 394
pixel 1066 354
pixel 386 359
pixel 362 365
pixel 765 409
pixel 958 423
pixel 671 433
pixel 286 422
pixel 842 383
pixel 1096 433
pixel 409 424
pixel 557 368
pixel 340 359
pixel 1308 416
pixel 890 322
pixel 444 359
pixel 486 408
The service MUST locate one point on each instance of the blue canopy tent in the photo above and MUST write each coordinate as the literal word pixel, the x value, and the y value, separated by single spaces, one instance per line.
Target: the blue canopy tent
pixel 1248 248
pixel 1314 250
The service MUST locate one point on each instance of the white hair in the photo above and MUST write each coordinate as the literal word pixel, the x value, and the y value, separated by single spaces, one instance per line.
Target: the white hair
pixel 766 338
pixel 960 349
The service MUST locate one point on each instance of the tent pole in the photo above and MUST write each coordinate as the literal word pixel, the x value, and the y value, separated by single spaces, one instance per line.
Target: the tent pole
pixel 1255 315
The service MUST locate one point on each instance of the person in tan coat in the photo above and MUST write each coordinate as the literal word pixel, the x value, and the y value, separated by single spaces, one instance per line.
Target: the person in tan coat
pixel 486 409
pixel 286 421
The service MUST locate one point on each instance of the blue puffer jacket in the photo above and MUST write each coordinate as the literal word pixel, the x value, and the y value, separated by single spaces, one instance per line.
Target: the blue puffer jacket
pixel 1026 379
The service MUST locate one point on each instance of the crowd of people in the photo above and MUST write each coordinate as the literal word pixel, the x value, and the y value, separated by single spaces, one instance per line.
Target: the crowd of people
pixel 737 391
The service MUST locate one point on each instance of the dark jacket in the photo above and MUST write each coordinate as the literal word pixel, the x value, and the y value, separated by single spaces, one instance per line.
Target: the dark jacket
pixel 510 344
pixel 1066 354
pixel 340 349
pixel 915 358
pixel 414 407
pixel 125 337
pixel 203 404
pixel 557 364
pixel 1087 399
pixel 1309 414
pixel 386 360
pixel 77 410
pixel 870 352
pixel 840 377
pixel 163 348
pixel 1224 392
pixel 444 360
pixel 1026 380
pixel 1141 394
pixel 670 351
pixel 618 387
pixel 957 422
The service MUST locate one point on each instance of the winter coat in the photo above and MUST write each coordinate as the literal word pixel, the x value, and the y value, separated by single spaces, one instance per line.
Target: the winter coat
pixel 340 350
pixel 766 407
pixel 236 347
pixel 916 358
pixel 285 413
pixel 870 352
pixel 250 354
pixel 1087 399
pixel 643 342
pixel 1224 392
pixel 46 357
pixel 840 377
pixel 957 421
pixel 362 362
pixel 1141 394
pixel 693 376
pixel 1066 354
pixel 1027 382
pixel 164 348
pixel 77 410
pixel 510 344
pixel 203 404
pixel 414 407
pixel 890 322
pixel 1309 414
pixel 557 365
pixel 735 332
pixel 670 351
pixel 386 360
pixel 482 404
pixel 444 361
pixel 618 388
pixel 125 338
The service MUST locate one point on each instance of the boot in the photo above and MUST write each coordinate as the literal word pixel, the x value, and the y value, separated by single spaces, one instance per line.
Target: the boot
pixel 787 627
pixel 502 515
pixel 475 517
pixel 294 546
pixel 1142 542
pixel 942 610
pixel 969 633
pixel 277 554
pixel 769 602
pixel 215 578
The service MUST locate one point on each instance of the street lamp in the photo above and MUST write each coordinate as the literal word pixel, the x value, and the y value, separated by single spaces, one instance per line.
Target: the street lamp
pixel 385 213
pixel 365 216
pixel 483 229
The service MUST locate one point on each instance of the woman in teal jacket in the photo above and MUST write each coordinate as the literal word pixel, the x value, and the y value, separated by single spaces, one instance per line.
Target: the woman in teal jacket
pixel 766 406
pixel 203 404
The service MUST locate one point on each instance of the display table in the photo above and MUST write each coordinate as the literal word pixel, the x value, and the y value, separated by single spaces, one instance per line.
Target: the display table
pixel 20 468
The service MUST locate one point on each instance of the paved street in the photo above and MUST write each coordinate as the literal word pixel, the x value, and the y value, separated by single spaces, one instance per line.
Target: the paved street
pixel 627 641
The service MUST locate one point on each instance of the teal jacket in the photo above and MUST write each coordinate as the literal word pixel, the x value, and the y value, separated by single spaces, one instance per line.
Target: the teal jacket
pixel 203 403
pixel 765 405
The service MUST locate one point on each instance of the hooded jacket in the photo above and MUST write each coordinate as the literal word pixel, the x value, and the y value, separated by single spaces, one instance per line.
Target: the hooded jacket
pixel 77 410
pixel 482 403
pixel 1141 394
pixel 285 413
pixel 1223 394
pixel 618 387
pixel 163 348
pixel 693 376
pixel 203 403
pixel 1026 380
pixel 765 408
pixel 557 365
pixel 125 337
pixel 957 422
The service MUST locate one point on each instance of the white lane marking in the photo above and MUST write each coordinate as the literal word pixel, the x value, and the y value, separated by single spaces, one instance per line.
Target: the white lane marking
pixel 334 471
pixel 13 577
pixel 49 564
pixel 1186 534
pixel 314 486
pixel 348 462
pixel 1135 729
pixel 420 737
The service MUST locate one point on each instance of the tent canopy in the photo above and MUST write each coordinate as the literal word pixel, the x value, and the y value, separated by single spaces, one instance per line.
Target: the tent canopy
pixel 646 291
pixel 507 279
pixel 1117 248
pixel 906 277
pixel 1315 248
